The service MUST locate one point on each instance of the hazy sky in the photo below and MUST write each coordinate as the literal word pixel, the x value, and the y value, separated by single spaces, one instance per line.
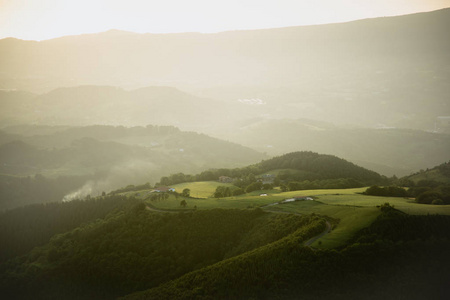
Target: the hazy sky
pixel 44 19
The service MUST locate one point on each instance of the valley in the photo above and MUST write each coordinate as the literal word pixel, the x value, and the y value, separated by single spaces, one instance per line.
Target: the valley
pixel 300 162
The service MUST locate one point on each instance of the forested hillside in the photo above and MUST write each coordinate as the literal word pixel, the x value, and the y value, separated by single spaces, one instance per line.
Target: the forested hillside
pixel 399 256
pixel 135 249
pixel 44 164
pixel 24 228
pixel 440 174
pixel 114 246
pixel 295 167
pixel 388 151
pixel 431 186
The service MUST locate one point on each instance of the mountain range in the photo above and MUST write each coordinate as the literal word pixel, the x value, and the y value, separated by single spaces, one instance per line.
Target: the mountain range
pixel 391 71
pixel 390 151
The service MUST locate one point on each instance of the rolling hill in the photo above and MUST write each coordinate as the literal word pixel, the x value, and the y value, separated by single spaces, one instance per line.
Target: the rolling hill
pixel 93 105
pixel 440 174
pixel 167 247
pixel 75 162
pixel 390 71
pixel 135 253
pixel 389 151
pixel 306 167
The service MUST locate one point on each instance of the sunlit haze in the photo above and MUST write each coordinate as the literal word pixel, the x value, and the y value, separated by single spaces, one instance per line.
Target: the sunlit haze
pixel 238 149
pixel 46 19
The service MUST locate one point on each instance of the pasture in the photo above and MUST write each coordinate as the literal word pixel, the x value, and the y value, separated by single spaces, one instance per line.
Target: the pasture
pixel 353 210
pixel 200 189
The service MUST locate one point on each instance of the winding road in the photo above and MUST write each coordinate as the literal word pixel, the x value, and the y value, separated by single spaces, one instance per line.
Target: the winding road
pixel 315 238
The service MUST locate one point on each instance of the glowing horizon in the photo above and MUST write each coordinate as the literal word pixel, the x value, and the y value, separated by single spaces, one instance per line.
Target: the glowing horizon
pixel 47 19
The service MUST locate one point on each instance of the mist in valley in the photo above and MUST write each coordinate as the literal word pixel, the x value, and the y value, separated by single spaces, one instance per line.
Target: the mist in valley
pixel 372 91
pixel 97 124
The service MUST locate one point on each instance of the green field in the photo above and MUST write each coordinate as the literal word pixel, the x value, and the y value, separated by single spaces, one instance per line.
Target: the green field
pixel 351 219
pixel 353 210
pixel 201 189
pixel 408 206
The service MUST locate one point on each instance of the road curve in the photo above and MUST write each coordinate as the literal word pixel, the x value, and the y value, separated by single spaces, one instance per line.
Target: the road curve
pixel 313 239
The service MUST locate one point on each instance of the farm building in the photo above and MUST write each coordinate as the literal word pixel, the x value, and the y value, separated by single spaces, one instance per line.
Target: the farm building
pixel 225 179
pixel 300 198
pixel 163 189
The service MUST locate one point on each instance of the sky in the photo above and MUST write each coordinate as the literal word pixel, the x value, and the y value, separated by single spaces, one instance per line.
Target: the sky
pixel 46 19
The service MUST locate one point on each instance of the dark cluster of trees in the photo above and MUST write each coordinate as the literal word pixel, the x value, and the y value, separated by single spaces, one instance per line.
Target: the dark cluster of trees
pixel 159 196
pixel 431 192
pixel 437 194
pixel 387 191
pixel 431 186
pixel 226 191
pixel 424 191
pixel 132 188
pixel 341 183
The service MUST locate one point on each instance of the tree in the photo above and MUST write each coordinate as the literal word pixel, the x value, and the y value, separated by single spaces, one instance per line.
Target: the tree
pixel 284 188
pixel 186 193
pixel 222 191
pixel 267 186
pixel 165 181
pixel 386 207
pixel 429 197
pixel 183 203
pixel 253 187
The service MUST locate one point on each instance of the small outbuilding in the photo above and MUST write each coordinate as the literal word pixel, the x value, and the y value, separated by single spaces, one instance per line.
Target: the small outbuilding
pixel 225 179
pixel 164 189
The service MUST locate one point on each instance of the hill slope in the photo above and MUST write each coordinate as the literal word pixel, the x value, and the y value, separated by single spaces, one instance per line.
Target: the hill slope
pixel 324 166
pixel 388 151
pixel 440 174
pixel 287 270
pixel 302 166
pixel 135 249
pixel 89 160
pixel 386 70
pixel 92 105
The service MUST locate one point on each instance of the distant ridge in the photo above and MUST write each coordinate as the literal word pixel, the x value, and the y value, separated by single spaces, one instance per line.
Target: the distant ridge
pixel 91 58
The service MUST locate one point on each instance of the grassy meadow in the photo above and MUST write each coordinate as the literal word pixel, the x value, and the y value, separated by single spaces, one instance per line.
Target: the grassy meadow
pixel 353 210
pixel 200 189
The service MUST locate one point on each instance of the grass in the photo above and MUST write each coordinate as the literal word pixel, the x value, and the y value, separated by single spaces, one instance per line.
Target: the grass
pixel 201 189
pixel 354 210
pixel 209 203
pixel 351 219
pixel 408 206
